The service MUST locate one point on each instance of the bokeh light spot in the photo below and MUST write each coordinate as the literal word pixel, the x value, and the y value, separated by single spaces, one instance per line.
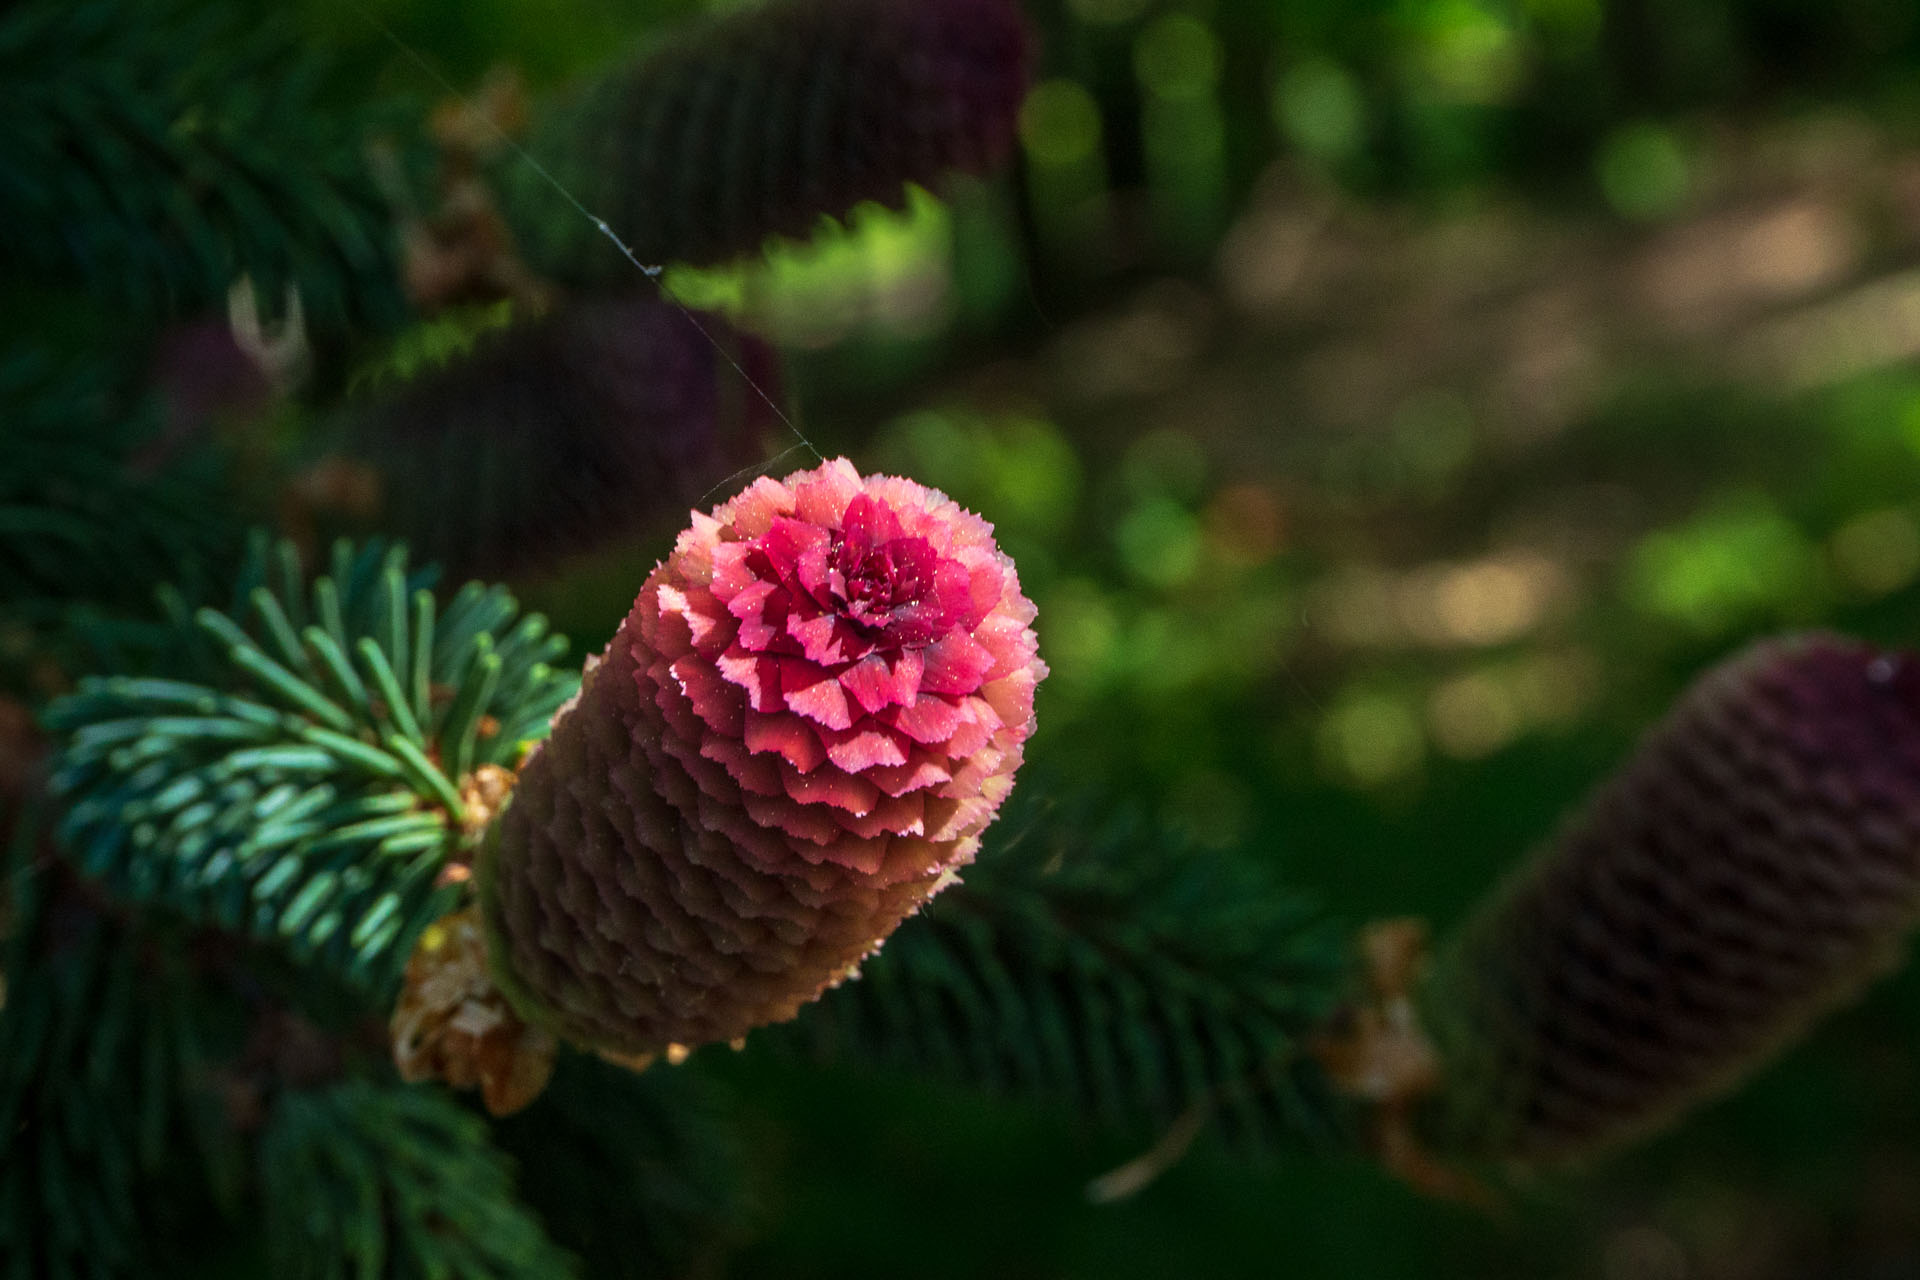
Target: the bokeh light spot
pixel 1081 639
pixel 1371 739
pixel 1318 107
pixel 1737 560
pixel 1244 525
pixel 1644 172
pixel 1471 54
pixel 1878 552
pixel 1060 123
pixel 1178 56
pixel 1035 474
pixel 1555 688
pixel 1473 715
pixel 1159 542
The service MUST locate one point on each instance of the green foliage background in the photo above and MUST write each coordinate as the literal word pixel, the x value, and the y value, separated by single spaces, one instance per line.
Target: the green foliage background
pixel 1390 408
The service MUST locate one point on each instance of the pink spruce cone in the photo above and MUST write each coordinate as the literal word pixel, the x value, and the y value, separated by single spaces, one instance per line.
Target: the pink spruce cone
pixel 814 710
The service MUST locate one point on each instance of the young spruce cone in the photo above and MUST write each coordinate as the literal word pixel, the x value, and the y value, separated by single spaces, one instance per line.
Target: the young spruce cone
pixel 1756 863
pixel 760 123
pixel 557 435
pixel 801 730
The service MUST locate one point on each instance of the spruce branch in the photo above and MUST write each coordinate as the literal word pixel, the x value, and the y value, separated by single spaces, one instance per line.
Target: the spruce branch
pixel 300 778
pixel 102 1037
pixel 1098 964
pixel 361 1180
pixel 155 153
pixel 660 1144
pixel 83 525
pixel 764 121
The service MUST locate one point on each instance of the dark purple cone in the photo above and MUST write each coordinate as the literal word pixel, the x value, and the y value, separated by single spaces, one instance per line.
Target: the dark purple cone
pixel 764 121
pixel 566 434
pixel 1755 864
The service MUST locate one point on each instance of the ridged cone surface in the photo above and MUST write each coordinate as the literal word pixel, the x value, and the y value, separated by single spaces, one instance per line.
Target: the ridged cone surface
pixel 760 123
pixel 1755 864
pixel 813 711
pixel 563 433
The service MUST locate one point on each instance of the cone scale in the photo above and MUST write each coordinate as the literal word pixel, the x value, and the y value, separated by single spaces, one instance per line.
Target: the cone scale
pixel 796 737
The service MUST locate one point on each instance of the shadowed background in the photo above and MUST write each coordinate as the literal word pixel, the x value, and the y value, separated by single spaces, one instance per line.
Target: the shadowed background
pixel 1389 406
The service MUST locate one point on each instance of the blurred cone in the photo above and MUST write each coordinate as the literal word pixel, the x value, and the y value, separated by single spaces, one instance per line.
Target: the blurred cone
pixel 564 434
pixel 763 121
pixel 1754 865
